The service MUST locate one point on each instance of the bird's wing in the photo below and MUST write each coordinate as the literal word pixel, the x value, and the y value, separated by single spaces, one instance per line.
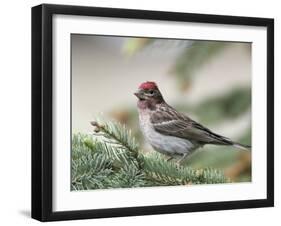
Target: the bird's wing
pixel 169 122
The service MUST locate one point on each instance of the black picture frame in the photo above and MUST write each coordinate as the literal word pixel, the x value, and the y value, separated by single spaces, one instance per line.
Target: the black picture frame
pixel 42 111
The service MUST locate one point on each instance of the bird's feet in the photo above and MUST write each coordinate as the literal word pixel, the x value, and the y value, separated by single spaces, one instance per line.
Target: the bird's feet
pixel 184 158
pixel 169 158
pixel 179 162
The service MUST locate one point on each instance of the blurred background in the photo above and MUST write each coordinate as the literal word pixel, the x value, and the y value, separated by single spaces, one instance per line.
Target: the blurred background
pixel 210 81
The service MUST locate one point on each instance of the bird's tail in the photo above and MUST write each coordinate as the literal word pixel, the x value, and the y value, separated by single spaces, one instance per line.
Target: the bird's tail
pixel 221 140
pixel 242 146
pixel 227 141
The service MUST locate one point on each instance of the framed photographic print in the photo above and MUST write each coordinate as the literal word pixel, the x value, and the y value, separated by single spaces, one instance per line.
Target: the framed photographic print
pixel 145 112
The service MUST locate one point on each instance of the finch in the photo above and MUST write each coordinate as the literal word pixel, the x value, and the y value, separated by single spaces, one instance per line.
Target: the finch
pixel 169 131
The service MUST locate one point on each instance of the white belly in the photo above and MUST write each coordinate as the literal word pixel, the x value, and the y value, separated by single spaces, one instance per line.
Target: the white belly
pixel 162 143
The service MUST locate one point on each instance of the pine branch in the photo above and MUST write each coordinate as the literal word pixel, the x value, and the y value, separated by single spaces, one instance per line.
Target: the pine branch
pixel 117 135
pixel 170 173
pixel 112 159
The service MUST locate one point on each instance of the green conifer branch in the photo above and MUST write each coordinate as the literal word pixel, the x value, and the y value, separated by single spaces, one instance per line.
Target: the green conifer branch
pixel 112 159
pixel 118 135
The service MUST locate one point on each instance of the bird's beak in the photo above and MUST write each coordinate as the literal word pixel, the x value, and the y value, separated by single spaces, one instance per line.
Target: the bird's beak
pixel 139 95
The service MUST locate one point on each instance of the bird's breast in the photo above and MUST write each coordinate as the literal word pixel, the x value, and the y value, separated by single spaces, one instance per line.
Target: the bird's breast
pixel 162 143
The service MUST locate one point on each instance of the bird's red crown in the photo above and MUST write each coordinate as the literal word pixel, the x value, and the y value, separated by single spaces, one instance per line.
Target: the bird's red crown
pixel 148 85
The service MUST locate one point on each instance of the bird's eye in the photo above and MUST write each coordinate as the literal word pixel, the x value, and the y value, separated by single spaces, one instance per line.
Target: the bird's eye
pixel 151 92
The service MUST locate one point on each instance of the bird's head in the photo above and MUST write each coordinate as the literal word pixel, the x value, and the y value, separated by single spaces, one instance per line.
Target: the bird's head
pixel 149 94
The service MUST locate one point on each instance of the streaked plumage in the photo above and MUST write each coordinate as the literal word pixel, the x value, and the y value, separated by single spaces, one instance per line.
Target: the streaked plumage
pixel 169 131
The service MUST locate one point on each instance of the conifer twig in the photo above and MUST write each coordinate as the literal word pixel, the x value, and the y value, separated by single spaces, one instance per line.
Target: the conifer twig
pixel 122 139
pixel 115 161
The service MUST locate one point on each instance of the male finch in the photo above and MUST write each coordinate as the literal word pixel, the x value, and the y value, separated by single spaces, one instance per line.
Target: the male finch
pixel 169 131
